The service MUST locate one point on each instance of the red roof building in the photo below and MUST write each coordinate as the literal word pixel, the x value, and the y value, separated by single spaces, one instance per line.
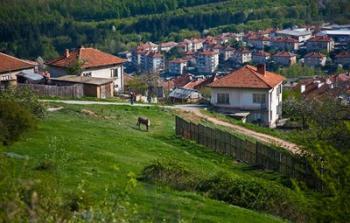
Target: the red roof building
pixel 93 63
pixel 10 66
pixel 248 77
pixel 251 91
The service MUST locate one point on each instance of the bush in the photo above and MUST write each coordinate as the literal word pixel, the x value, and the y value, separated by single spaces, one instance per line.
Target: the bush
pixel 247 193
pixel 26 98
pixel 14 120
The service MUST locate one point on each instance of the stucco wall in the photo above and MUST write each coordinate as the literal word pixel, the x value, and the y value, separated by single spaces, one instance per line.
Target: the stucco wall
pixel 242 99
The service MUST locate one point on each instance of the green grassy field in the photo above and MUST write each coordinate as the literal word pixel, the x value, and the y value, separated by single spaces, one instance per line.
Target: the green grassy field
pixel 101 155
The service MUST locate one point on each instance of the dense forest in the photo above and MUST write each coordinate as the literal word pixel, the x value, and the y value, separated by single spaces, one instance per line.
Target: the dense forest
pixel 31 28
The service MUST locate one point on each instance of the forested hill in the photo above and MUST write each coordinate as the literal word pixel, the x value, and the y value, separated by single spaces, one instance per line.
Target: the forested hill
pixel 31 28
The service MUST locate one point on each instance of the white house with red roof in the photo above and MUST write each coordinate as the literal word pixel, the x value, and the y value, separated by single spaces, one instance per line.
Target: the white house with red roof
pixel 285 43
pixel 285 58
pixel 207 62
pixel 11 66
pixel 315 59
pixel 343 58
pixel 177 66
pixel 252 91
pixel 260 57
pixel 93 63
pixel 320 43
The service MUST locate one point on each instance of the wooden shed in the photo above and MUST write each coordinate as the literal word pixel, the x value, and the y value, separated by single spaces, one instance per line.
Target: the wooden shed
pixel 93 87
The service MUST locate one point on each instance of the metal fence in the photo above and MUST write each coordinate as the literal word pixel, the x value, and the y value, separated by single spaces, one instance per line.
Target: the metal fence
pixel 256 154
pixel 72 91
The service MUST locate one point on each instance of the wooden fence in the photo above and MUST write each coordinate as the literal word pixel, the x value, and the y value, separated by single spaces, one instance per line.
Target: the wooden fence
pixel 256 154
pixel 72 91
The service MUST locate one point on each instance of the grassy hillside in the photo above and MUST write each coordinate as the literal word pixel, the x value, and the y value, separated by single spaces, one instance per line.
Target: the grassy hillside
pixel 91 161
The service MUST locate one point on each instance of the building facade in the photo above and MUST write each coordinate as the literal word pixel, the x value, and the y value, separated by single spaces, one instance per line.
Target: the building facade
pixel 92 63
pixel 251 90
pixel 207 62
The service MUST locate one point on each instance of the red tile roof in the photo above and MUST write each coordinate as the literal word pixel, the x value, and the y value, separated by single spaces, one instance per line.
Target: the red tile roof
pixel 208 53
pixel 320 39
pixel 261 53
pixel 178 60
pixel 182 80
pixel 9 64
pixel 90 58
pixel 248 77
pixel 314 55
pixel 285 40
pixel 193 84
pixel 284 54
pixel 344 54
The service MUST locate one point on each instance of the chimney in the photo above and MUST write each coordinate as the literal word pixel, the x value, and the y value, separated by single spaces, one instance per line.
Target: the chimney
pixel 261 69
pixel 66 53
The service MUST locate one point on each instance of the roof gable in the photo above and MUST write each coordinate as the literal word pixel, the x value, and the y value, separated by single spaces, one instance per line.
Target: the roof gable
pixel 89 57
pixel 248 77
pixel 9 63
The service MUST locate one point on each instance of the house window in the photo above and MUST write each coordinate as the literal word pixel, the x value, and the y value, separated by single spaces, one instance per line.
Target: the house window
pixel 114 73
pixel 88 74
pixel 223 99
pixel 259 98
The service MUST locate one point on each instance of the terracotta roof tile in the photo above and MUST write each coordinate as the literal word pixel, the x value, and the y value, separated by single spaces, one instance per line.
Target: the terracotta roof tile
pixel 314 55
pixel 248 77
pixel 261 53
pixel 89 56
pixel 9 63
pixel 344 54
pixel 320 39
pixel 284 54
pixel 285 40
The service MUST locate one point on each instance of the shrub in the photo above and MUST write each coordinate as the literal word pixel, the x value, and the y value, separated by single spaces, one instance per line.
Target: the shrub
pixel 26 98
pixel 170 173
pixel 14 120
pixel 247 193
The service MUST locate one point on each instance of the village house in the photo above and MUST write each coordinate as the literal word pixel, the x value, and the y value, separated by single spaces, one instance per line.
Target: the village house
pixel 343 58
pixel 336 86
pixel 260 57
pixel 284 58
pixel 242 56
pixel 167 46
pixel 299 34
pixel 259 42
pixel 207 62
pixel 92 63
pixel 226 53
pixel 191 45
pixel 152 62
pixel 252 91
pixel 320 43
pixel 285 43
pixel 315 59
pixel 11 66
pixel 209 43
pixel 177 66
pixel 140 50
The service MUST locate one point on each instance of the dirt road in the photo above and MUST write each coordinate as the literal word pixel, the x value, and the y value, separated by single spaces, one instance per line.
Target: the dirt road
pixel 196 110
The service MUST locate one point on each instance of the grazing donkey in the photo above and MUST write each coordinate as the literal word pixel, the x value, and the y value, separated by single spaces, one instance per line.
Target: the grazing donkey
pixel 143 121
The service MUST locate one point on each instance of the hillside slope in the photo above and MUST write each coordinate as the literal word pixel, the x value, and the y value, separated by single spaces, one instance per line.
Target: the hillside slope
pixel 90 161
